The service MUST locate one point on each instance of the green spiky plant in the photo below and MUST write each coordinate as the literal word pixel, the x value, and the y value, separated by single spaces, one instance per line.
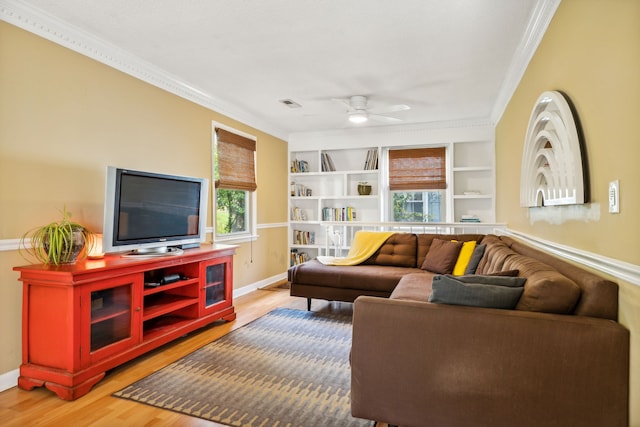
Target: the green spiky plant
pixel 57 243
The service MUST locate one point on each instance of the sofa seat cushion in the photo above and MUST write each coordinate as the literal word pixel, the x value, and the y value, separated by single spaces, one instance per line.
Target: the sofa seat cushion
pixel 365 277
pixel 414 287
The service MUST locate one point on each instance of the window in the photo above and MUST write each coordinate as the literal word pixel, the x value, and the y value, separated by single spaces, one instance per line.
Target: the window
pixel 417 181
pixel 418 206
pixel 235 184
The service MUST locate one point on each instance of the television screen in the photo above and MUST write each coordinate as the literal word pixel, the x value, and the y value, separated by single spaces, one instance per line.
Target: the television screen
pixel 149 212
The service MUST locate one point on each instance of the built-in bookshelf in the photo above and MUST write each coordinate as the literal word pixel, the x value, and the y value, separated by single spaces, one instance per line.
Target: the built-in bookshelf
pixel 473 181
pixel 325 203
pixel 324 189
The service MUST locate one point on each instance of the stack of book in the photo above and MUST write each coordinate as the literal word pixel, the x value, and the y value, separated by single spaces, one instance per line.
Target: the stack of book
pixel 302 237
pixel 339 214
pixel 298 166
pixel 299 190
pixel 327 163
pixel 298 257
pixel 371 163
pixel 469 218
pixel 298 214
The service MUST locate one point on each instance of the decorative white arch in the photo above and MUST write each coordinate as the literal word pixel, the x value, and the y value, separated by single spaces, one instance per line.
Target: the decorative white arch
pixel 552 172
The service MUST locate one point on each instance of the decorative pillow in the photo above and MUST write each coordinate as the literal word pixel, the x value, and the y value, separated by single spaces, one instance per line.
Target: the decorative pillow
pixel 442 256
pixel 464 257
pixel 447 289
pixel 476 256
pixel 492 279
pixel 507 273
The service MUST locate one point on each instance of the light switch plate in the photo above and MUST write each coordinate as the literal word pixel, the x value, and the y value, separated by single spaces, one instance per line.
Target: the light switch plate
pixel 614 196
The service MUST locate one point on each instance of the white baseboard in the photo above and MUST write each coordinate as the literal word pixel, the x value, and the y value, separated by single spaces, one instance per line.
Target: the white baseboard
pixel 258 285
pixel 9 379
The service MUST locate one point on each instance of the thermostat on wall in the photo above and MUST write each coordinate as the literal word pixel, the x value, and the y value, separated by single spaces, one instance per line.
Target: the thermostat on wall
pixel 614 196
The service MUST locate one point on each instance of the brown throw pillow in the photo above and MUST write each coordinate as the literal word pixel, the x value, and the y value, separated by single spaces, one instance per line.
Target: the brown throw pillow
pixel 442 256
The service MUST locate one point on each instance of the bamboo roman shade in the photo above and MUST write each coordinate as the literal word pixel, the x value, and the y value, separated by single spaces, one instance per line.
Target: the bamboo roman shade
pixel 236 162
pixel 417 169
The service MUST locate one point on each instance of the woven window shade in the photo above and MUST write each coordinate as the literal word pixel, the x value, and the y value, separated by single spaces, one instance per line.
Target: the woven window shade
pixel 236 157
pixel 417 169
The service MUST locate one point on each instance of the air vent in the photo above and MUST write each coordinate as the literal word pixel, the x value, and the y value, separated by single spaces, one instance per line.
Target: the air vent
pixel 290 103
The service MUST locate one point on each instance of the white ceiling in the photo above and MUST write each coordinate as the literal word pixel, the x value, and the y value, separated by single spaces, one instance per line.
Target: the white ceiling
pixel 453 61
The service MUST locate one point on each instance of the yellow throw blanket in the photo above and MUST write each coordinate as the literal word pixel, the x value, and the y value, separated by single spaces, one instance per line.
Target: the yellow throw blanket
pixel 365 244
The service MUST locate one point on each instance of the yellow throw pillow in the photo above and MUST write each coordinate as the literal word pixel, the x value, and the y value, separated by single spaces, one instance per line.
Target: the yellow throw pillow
pixel 464 257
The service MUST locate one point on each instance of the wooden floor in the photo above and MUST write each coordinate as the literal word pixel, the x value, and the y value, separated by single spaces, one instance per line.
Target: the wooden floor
pixel 98 408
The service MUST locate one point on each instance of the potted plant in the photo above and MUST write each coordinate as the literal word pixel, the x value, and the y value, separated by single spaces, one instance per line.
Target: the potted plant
pixel 57 243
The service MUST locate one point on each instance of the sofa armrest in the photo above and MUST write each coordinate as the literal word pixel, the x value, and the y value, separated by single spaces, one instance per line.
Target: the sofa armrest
pixel 417 363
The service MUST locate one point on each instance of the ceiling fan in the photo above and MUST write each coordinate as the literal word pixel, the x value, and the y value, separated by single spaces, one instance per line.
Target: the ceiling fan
pixel 359 113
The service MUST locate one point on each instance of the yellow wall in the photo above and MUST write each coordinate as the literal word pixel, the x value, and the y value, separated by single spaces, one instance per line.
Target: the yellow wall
pixel 65 117
pixel 591 52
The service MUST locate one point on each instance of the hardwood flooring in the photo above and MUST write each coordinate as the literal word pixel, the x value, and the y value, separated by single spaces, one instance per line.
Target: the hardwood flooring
pixel 41 407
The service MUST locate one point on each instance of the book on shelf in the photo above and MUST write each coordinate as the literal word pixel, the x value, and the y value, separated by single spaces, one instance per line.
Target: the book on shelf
pixel 298 166
pixel 298 214
pixel 371 162
pixel 298 257
pixel 469 218
pixel 327 163
pixel 339 214
pixel 303 237
pixel 300 190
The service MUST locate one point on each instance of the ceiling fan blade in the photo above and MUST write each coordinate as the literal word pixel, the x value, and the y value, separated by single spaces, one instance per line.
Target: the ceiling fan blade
pixel 384 119
pixel 390 109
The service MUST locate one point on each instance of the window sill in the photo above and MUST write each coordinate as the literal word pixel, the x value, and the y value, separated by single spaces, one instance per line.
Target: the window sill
pixel 236 239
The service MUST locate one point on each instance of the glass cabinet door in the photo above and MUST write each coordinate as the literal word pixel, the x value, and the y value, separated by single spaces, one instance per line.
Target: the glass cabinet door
pixel 214 284
pixel 112 318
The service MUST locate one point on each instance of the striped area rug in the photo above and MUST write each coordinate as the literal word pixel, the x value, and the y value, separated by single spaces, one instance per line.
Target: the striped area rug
pixel 287 368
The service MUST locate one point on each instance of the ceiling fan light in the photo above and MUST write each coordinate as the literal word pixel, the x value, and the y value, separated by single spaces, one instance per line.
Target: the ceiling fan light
pixel 358 117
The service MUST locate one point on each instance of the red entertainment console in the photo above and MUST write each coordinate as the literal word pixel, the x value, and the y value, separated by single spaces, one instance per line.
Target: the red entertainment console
pixel 80 320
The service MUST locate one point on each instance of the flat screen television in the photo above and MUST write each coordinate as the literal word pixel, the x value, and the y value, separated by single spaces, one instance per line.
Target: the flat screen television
pixel 153 214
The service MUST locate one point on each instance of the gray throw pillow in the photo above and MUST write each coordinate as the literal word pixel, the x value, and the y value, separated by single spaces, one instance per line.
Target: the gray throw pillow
pixel 447 289
pixel 476 256
pixel 494 279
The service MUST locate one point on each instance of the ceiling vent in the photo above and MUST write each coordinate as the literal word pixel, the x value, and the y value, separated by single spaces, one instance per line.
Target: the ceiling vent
pixel 290 103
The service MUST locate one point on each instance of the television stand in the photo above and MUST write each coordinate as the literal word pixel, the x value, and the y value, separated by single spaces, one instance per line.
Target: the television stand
pixel 80 320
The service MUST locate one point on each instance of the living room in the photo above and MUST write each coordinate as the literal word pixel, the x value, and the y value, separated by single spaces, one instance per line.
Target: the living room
pixel 91 115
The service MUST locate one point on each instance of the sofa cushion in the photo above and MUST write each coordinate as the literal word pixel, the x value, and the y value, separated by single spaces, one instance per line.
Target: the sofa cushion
pixel 478 252
pixel 492 279
pixel 398 250
pixel 378 278
pixel 414 287
pixel 546 290
pixel 464 257
pixel 488 292
pixel 425 240
pixel 495 255
pixel 442 256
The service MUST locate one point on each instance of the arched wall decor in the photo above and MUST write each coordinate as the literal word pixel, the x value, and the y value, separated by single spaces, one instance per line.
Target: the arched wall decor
pixel 552 162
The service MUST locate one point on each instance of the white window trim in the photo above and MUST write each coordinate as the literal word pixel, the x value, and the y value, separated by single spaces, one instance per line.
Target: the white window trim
pixel 251 234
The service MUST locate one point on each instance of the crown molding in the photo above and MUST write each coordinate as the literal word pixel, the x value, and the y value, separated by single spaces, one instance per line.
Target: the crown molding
pixel 538 24
pixel 57 31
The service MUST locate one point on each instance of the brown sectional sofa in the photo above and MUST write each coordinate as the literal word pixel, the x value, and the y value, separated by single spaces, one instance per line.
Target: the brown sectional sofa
pixel 559 358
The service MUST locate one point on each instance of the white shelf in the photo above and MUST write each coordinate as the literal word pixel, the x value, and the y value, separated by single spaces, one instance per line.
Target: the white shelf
pixel 471 169
pixel 336 189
